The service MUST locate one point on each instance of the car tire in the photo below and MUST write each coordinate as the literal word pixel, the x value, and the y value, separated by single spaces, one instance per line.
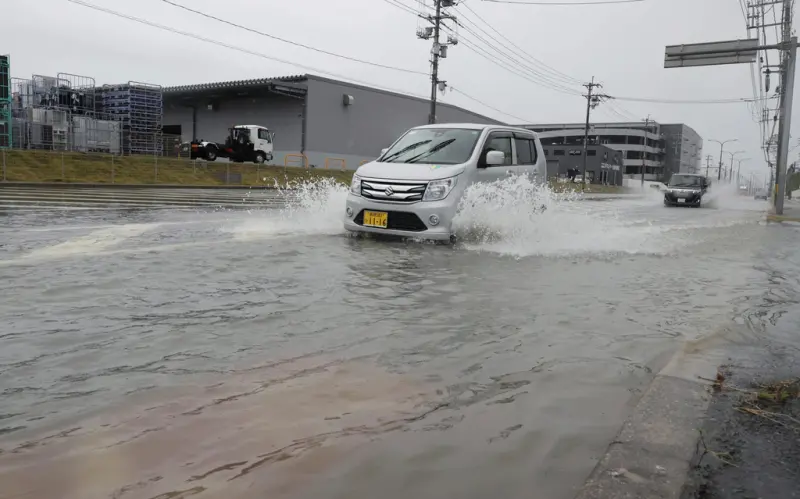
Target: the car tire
pixel 211 154
pixel 260 158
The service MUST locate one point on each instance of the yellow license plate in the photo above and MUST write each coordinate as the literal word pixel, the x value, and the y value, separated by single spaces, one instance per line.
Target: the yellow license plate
pixel 378 219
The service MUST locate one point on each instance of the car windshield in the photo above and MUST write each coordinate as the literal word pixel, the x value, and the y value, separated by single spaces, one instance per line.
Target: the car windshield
pixel 686 181
pixel 444 146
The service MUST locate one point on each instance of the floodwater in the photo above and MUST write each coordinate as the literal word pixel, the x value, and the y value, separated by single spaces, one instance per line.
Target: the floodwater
pixel 261 352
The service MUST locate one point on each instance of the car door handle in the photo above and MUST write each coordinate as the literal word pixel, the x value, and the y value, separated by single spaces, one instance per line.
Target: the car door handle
pixel 509 172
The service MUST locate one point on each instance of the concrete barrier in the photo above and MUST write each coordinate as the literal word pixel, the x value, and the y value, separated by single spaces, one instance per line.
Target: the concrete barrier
pixel 300 156
pixel 342 161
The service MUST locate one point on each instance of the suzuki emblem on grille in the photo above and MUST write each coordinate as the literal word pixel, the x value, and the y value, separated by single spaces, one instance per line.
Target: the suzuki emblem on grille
pixel 389 191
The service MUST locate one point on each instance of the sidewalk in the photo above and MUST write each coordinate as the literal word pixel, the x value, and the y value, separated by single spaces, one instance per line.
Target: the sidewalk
pixel 791 211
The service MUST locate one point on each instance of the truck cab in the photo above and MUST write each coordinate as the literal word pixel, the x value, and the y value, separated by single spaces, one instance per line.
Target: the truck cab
pixel 249 143
pixel 244 143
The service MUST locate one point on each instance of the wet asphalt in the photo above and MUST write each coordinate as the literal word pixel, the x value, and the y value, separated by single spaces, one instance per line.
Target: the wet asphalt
pixel 258 351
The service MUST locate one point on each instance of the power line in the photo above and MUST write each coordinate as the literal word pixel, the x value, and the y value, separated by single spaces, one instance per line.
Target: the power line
pixel 668 101
pixel 264 56
pixel 516 71
pixel 297 44
pixel 233 47
pixel 600 2
pixel 521 120
pixel 555 72
pixel 402 6
pixel 540 79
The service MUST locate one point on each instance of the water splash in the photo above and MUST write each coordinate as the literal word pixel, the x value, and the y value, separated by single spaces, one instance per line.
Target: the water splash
pixel 521 218
pixel 311 207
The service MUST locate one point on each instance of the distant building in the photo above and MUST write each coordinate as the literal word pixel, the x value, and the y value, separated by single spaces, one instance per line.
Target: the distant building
pixel 684 149
pixel 603 164
pixel 311 115
pixel 660 149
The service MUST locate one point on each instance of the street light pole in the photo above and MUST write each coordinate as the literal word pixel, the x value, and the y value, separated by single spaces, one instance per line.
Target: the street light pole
pixel 721 145
pixel 729 173
pixel 739 172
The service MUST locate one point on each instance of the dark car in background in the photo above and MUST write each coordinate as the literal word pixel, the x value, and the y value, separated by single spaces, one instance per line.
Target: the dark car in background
pixel 685 189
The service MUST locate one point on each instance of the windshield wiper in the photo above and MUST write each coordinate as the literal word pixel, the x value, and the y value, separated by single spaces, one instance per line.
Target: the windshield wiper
pixel 405 149
pixel 436 148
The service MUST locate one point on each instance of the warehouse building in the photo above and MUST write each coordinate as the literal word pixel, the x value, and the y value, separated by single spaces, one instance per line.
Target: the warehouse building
pixel 343 123
pixel 603 164
pixel 660 149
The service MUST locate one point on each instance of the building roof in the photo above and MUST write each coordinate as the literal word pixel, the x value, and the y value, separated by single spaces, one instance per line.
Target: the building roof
pixel 295 85
pixel 593 124
pixel 235 84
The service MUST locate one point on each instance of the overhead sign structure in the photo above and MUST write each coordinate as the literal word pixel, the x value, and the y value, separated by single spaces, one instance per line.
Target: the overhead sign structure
pixel 712 53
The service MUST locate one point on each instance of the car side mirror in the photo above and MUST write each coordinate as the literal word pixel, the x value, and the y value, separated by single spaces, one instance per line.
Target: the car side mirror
pixel 495 158
pixel 383 151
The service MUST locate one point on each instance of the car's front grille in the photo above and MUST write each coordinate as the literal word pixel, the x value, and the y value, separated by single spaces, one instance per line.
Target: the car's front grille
pixel 398 220
pixel 393 191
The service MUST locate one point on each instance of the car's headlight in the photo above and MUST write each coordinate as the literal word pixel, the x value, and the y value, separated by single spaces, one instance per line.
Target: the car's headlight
pixel 439 189
pixel 355 185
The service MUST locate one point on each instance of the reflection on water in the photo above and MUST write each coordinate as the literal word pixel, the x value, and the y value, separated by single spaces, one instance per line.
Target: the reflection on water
pixel 256 359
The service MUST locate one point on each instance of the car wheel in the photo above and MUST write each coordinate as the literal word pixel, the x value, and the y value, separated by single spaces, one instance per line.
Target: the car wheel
pixel 260 157
pixel 211 154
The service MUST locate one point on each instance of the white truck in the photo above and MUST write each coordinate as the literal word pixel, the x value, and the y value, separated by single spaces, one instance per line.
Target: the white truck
pixel 243 143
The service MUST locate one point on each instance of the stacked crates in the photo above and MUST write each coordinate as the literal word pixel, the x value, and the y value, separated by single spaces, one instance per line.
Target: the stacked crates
pixel 5 102
pixel 139 107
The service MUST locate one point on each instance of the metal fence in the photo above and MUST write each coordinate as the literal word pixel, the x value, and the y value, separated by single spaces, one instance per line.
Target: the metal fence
pixel 55 130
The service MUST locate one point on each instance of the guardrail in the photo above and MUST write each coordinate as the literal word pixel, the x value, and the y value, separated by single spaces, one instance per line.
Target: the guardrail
pixel 300 156
pixel 340 160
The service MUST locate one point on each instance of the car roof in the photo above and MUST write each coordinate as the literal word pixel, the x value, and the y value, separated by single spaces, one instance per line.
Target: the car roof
pixel 477 126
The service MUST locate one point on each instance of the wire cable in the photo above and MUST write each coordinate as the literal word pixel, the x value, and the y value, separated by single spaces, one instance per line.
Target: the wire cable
pixel 483 53
pixel 561 4
pixel 521 120
pixel 567 78
pixel 290 42
pixel 539 78
pixel 233 47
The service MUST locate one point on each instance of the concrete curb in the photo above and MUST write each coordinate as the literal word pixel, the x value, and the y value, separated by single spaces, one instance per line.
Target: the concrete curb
pixel 781 218
pixel 657 445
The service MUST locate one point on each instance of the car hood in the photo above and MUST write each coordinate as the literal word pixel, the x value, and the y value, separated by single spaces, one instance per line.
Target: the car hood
pixel 409 171
pixel 684 189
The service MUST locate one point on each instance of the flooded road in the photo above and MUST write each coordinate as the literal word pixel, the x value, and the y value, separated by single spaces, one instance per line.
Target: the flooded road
pixel 261 352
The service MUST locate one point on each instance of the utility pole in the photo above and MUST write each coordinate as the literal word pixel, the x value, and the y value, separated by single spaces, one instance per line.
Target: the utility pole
pixel 592 101
pixel 438 50
pixel 787 94
pixel 729 172
pixel 746 51
pixel 739 171
pixel 708 163
pixel 644 151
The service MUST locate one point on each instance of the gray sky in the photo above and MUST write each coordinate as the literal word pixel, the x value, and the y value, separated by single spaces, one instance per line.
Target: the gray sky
pixel 621 45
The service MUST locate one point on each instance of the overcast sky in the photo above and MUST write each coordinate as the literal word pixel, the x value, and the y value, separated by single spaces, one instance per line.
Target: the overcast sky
pixel 621 45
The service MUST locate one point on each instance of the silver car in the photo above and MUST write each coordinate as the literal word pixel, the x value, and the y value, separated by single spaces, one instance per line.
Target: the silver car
pixel 414 188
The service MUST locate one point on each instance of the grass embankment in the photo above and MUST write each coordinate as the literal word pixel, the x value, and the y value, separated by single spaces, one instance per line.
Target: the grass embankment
pixel 70 167
pixel 75 168
pixel 748 444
